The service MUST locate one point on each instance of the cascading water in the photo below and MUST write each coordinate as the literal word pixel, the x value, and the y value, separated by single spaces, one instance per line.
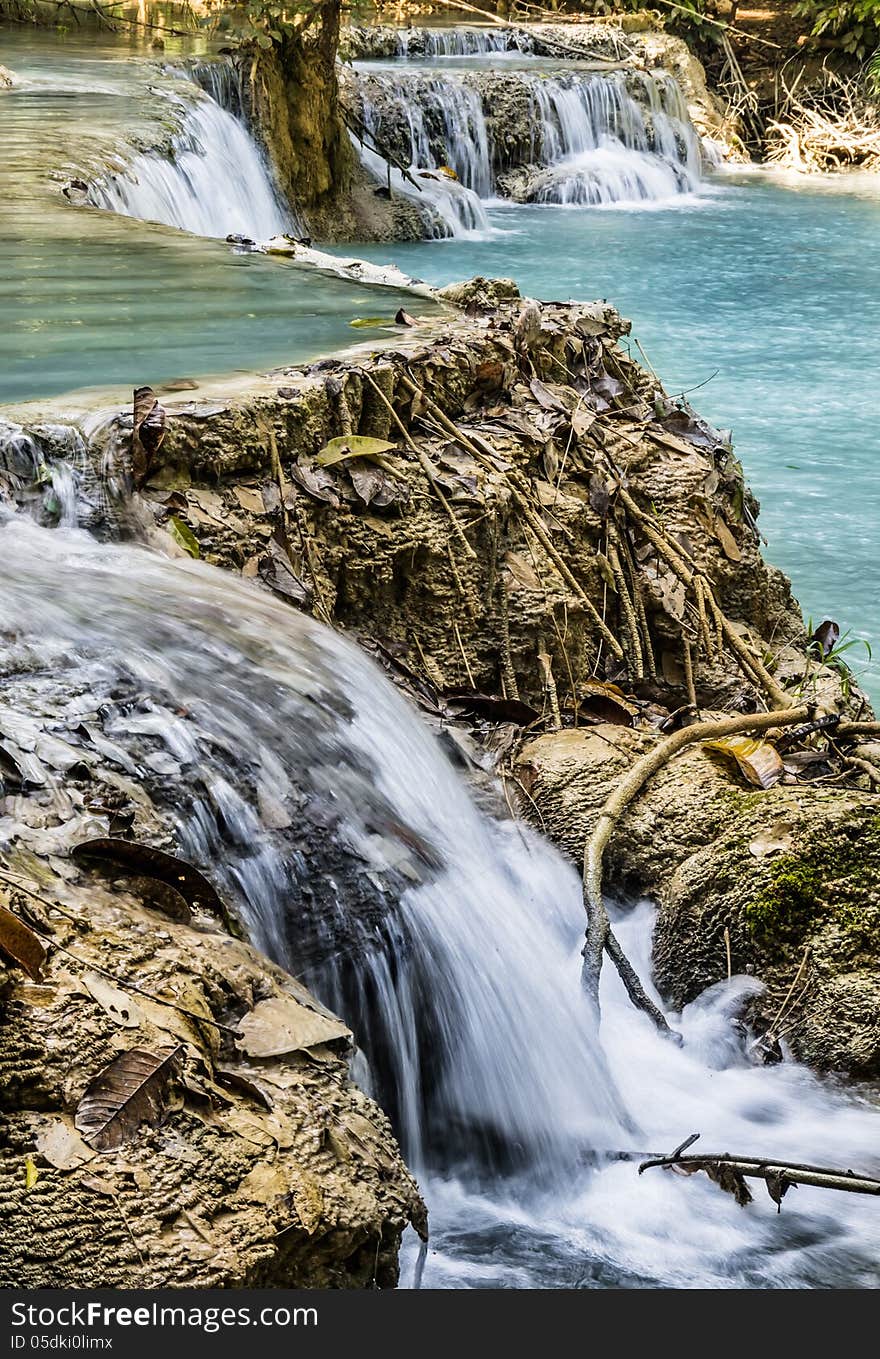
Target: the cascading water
pixel 215 182
pixel 585 138
pixel 460 41
pixel 455 937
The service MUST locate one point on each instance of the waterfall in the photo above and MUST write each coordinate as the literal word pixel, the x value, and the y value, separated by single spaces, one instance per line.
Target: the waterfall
pixel 310 791
pixel 214 182
pixel 597 138
pixel 460 41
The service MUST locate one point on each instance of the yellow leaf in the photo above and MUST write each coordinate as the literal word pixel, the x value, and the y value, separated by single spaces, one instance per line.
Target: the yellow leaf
pixel 31 1174
pixel 760 762
pixel 352 446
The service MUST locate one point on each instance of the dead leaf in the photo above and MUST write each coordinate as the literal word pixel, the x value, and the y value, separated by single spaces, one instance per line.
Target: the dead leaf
pixel 144 861
pixel 264 1183
pixel 308 1200
pixel 249 500
pixel 759 761
pixel 316 482
pixel 548 399
pixel 61 1145
pixel 778 1186
pixel 129 1091
pixel 352 446
pixel 148 432
pixel 99 1185
pixel 730 1180
pixel 375 487
pixel 729 545
pixel 826 636
pixel 276 570
pixel 236 1080
pixel 522 573
pixel 117 1004
pixel 600 495
pixel 281 1025
pixel 491 709
pixel 774 839
pixel 606 703
pixel 19 943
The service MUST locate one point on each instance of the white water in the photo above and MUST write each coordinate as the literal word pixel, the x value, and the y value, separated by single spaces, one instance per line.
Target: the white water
pixel 599 139
pixel 470 968
pixel 216 183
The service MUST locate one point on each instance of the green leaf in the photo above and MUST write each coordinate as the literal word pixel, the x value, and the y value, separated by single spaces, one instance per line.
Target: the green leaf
pixel 183 536
pixel 352 446
pixel 371 322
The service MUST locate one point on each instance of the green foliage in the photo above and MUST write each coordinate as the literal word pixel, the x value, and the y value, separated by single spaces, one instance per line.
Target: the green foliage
pixel 263 23
pixel 854 24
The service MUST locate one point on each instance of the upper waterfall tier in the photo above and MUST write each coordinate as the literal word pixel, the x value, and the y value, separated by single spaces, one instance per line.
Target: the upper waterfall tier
pixel 572 136
pixel 213 180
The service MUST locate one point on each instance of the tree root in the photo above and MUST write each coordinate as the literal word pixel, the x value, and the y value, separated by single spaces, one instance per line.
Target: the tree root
pixel 599 937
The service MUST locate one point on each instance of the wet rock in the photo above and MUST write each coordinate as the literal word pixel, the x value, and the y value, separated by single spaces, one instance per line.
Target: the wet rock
pixel 790 872
pixel 275 1172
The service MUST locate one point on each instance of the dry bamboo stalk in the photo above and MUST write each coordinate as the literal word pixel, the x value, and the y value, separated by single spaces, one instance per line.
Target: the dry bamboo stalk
pixel 427 467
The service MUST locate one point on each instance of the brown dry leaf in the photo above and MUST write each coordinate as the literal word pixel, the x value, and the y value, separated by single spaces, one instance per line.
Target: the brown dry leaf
pixel 315 481
pixel 278 573
pixel 148 432
pixel 264 1183
pixel 111 855
pixel 61 1145
pixel 21 945
pixel 759 761
pixel 249 500
pixel 774 839
pixel 522 573
pixel 99 1185
pixel 308 1200
pixel 128 1092
pixel 281 1025
pixel 729 545
pixel 606 703
pixel 117 1004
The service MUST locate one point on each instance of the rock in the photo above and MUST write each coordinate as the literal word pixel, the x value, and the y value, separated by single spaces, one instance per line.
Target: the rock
pixel 238 1185
pixel 485 293
pixel 784 870
pixel 7 79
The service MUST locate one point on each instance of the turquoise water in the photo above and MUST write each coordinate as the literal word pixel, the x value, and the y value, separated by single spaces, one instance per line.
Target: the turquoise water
pixel 770 296
pixel 92 299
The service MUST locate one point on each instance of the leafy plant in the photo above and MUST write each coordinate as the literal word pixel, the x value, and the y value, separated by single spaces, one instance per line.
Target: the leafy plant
pixel 855 24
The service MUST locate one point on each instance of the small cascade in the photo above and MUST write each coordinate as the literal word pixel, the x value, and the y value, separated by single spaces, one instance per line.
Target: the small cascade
pixel 447 206
pixel 214 182
pixel 311 792
pixel 570 137
pixel 460 42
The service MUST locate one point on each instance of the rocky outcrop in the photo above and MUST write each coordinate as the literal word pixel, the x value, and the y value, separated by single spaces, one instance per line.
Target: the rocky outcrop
pixel 262 1166
pixel 779 883
pixel 439 547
